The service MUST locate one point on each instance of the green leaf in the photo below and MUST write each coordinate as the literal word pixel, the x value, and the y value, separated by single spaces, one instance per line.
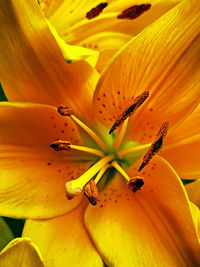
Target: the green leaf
pixel 2 94
pixel 5 234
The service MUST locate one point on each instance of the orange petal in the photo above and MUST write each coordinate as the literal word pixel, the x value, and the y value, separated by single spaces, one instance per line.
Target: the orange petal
pixel 75 28
pixel 156 60
pixel 152 226
pixel 32 175
pixel 63 241
pixel 193 190
pixel 183 145
pixel 32 67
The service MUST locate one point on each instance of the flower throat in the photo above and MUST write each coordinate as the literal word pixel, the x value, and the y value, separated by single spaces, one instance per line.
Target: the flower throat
pixel 106 157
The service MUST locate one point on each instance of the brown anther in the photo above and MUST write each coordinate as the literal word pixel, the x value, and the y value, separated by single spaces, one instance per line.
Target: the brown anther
pixel 134 11
pixel 138 101
pixel 135 184
pixel 91 192
pixel 61 145
pixel 94 12
pixel 64 110
pixel 156 145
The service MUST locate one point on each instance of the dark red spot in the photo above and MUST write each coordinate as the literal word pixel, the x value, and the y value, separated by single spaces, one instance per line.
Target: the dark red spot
pixel 101 206
pixel 104 95
pixel 134 11
pixel 59 170
pixel 66 124
pixel 94 12
pixel 100 111
pixel 150 109
pixel 118 92
pixel 48 163
pixel 62 131
pixel 116 201
pixel 98 98
pixel 52 117
pixel 103 105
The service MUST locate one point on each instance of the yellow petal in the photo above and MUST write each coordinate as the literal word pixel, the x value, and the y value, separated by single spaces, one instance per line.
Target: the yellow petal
pixel 32 175
pixel 153 227
pixel 64 241
pixel 183 145
pixel 73 53
pixel 21 252
pixel 164 60
pixel 32 67
pixel 69 18
pixel 193 190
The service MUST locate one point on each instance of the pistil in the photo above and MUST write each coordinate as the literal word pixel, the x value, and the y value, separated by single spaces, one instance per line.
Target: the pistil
pixel 75 187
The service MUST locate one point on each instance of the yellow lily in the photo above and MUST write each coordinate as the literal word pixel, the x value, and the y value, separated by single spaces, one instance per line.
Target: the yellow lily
pixel 159 71
pixel 21 252
pixel 102 26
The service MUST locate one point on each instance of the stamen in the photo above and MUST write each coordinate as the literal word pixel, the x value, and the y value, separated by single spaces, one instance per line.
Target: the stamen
pixel 156 146
pixel 94 12
pixel 66 111
pixel 91 192
pixel 138 101
pixel 136 184
pixel 60 145
pixel 120 170
pixel 132 149
pixel 67 146
pixel 101 173
pixel 75 187
pixel 134 11
pixel 121 135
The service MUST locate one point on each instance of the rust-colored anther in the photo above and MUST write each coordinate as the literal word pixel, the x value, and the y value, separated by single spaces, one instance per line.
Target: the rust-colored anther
pixel 91 192
pixel 135 184
pixel 138 101
pixel 61 145
pixel 94 12
pixel 156 145
pixel 64 110
pixel 134 11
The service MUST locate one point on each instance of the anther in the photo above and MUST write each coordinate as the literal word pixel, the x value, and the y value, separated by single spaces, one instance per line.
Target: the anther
pixel 61 145
pixel 138 101
pixel 64 110
pixel 94 12
pixel 91 192
pixel 156 146
pixel 135 184
pixel 134 11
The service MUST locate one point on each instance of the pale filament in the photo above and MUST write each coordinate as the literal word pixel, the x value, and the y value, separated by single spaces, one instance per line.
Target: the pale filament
pixel 132 149
pixel 88 150
pixel 120 170
pixel 121 135
pixel 101 173
pixel 96 138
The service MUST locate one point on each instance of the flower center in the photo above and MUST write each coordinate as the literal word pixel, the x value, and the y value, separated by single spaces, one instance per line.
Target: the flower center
pixel 106 156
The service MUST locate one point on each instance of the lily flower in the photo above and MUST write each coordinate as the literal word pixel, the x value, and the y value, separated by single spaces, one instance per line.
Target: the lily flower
pixel 103 27
pixel 105 140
